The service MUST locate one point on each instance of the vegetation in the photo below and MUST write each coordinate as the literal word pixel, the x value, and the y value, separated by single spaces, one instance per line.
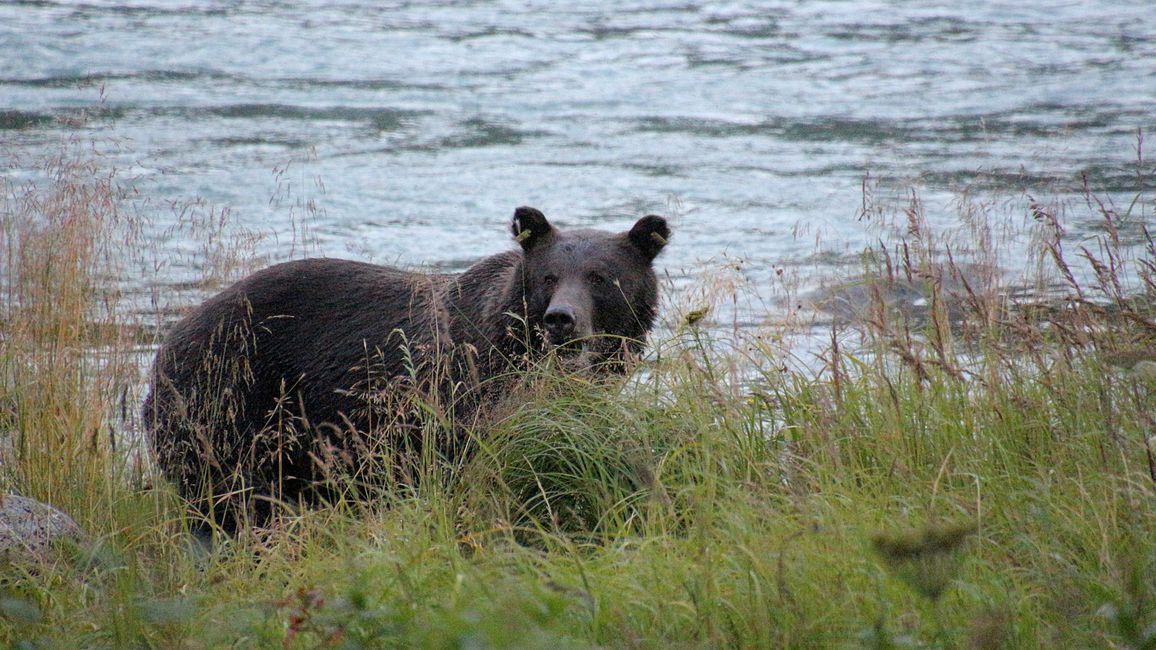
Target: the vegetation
pixel 975 472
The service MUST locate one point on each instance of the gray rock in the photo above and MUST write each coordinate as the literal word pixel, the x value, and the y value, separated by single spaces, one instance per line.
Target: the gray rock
pixel 857 299
pixel 29 529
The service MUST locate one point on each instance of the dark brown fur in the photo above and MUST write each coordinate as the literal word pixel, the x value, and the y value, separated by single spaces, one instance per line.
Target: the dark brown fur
pixel 294 371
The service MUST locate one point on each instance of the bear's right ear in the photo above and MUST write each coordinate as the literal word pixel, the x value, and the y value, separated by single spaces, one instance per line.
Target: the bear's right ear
pixel 530 227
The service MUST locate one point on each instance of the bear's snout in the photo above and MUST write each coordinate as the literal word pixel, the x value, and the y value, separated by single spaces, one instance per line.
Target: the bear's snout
pixel 567 317
pixel 560 322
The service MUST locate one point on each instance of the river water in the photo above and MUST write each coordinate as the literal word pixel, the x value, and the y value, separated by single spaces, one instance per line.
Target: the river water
pixel 407 132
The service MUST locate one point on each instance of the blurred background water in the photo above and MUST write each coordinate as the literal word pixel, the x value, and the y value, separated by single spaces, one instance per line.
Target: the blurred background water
pixel 407 132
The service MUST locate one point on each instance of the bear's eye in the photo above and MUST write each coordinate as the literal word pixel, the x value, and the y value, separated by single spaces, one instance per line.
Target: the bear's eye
pixel 549 281
pixel 597 279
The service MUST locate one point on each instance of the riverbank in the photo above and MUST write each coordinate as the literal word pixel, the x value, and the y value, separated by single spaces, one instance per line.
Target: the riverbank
pixel 978 473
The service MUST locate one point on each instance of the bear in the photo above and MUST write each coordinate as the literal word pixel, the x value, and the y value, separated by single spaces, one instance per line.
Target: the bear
pixel 288 380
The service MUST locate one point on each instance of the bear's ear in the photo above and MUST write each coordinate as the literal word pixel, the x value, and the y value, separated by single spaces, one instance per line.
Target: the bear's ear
pixel 649 235
pixel 530 227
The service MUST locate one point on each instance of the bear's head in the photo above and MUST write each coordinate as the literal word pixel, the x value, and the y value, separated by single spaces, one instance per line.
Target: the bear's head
pixel 589 292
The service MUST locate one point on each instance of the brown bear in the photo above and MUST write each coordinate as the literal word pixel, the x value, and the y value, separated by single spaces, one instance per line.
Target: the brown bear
pixel 262 391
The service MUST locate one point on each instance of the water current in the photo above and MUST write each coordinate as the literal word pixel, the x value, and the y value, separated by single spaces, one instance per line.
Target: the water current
pixel 407 132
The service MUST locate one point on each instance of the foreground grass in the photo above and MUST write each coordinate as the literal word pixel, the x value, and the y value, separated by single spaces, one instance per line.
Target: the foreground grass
pixel 980 480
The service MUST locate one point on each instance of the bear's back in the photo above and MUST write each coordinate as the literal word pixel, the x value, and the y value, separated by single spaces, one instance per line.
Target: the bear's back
pixel 306 332
pixel 305 315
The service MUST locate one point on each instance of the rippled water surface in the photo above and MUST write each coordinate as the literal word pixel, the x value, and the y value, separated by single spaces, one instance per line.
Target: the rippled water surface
pixel 414 129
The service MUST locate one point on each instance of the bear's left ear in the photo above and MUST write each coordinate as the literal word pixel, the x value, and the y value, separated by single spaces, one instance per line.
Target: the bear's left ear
pixel 530 227
pixel 649 235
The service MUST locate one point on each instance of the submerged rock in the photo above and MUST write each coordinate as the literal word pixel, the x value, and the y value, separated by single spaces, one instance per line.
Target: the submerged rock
pixel 29 529
pixel 860 298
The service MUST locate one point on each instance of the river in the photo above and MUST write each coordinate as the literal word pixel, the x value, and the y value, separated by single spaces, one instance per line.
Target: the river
pixel 407 132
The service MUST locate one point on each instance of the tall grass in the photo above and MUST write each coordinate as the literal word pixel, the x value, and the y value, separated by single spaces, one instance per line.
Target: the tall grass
pixel 65 350
pixel 977 472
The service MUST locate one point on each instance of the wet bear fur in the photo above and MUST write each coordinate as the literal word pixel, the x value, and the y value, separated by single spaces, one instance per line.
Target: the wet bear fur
pixel 284 383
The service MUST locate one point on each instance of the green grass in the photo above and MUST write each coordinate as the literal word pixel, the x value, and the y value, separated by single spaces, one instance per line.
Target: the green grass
pixel 981 479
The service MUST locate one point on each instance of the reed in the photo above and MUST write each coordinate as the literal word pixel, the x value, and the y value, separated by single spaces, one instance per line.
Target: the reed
pixel 65 356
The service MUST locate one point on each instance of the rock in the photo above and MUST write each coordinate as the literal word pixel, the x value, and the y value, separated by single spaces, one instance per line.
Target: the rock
pixel 858 299
pixel 29 529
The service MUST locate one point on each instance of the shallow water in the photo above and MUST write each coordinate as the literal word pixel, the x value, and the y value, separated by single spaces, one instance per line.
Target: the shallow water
pixel 408 131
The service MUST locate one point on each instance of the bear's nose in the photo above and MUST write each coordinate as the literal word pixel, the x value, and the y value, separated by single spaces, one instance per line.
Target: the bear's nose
pixel 559 321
